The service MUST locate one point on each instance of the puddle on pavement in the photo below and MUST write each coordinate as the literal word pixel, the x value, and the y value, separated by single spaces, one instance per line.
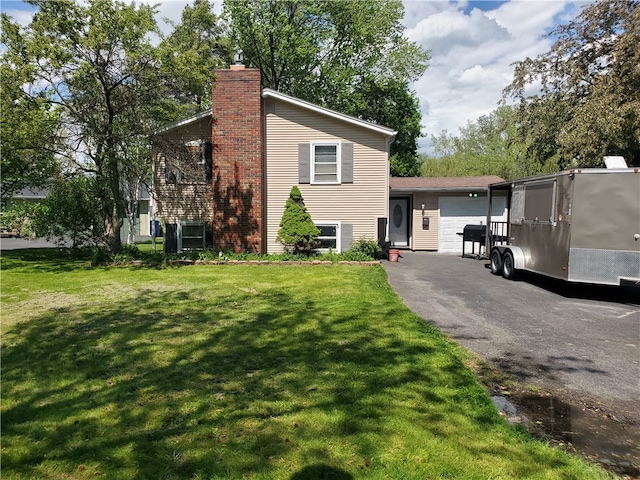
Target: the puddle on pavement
pixel 589 432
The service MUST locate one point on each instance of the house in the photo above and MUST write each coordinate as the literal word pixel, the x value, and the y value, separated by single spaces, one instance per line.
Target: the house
pixel 142 205
pixel 429 213
pixel 222 177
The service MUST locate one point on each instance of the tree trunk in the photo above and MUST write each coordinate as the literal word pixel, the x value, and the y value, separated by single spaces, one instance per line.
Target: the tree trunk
pixel 112 231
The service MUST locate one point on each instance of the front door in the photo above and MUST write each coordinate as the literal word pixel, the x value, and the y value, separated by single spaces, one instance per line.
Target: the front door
pixel 399 221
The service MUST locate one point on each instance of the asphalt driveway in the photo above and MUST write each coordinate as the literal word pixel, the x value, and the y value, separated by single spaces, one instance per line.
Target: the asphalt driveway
pixel 582 343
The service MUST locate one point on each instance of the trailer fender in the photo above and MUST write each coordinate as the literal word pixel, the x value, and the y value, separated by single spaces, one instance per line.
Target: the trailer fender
pixel 519 257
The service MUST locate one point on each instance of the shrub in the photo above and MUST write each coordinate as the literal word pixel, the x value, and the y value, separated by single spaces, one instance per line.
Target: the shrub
pixel 100 256
pixel 370 248
pixel 297 232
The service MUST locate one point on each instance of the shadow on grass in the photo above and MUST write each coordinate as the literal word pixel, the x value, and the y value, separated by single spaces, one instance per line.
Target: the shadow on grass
pixel 175 383
pixel 321 472
pixel 56 260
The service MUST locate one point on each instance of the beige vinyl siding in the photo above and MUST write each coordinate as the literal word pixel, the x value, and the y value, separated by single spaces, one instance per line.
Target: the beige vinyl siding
pixel 359 203
pixel 425 239
pixel 180 202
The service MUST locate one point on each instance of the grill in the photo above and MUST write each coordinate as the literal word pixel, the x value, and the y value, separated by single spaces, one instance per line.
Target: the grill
pixel 474 234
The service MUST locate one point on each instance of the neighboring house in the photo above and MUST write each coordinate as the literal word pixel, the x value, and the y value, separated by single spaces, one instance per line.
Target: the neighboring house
pixel 222 177
pixel 428 213
pixel 143 217
pixel 26 195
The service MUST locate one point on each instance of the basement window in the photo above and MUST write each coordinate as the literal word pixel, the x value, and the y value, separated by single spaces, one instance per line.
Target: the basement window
pixel 329 238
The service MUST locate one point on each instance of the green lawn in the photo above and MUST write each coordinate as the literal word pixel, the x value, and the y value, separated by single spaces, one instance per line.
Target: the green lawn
pixel 231 372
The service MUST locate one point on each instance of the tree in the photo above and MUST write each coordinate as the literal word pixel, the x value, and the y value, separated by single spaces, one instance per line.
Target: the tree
pixel 297 231
pixel 489 145
pixel 195 48
pixel 390 102
pixel 348 56
pixel 28 122
pixel 95 64
pixel 589 104
pixel 71 211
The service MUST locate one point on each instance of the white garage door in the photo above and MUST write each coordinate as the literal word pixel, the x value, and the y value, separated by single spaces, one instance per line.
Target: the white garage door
pixel 456 212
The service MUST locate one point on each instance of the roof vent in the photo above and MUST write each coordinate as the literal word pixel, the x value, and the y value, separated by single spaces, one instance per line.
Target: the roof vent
pixel 615 162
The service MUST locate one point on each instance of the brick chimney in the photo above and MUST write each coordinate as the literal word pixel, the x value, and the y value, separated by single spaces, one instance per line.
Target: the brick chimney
pixel 238 160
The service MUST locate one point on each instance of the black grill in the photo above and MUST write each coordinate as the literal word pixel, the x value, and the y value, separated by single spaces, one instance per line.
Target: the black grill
pixel 474 234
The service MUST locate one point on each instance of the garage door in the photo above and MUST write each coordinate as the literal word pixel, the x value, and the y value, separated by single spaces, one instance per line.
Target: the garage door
pixel 456 212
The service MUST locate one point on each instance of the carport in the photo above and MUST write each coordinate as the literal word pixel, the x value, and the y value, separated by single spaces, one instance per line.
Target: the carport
pixel 428 213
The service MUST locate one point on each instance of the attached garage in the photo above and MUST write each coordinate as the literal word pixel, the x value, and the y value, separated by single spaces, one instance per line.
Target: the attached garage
pixel 441 207
pixel 456 212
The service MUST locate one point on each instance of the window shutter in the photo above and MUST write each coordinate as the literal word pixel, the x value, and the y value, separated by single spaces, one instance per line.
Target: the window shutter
pixel 304 163
pixel 169 175
pixel 346 236
pixel 170 243
pixel 347 162
pixel 208 162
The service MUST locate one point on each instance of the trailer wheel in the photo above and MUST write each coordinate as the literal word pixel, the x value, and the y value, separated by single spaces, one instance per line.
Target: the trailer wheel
pixel 508 266
pixel 496 262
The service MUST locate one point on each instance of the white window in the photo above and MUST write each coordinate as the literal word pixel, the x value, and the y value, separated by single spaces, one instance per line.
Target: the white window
pixel 325 163
pixel 191 236
pixel 329 237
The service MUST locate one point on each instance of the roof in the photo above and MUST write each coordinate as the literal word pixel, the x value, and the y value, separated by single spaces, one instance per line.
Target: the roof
pixel 442 184
pixel 31 193
pixel 183 122
pixel 268 93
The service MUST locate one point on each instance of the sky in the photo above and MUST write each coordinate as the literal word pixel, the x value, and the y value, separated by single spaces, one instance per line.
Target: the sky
pixel 473 45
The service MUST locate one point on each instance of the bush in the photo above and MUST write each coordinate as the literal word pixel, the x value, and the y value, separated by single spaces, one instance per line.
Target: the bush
pixel 355 256
pixel 20 219
pixel 370 248
pixel 100 256
pixel 297 232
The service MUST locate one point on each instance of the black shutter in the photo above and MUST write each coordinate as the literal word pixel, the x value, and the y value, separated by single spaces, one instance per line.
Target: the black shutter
pixel 304 163
pixel 208 162
pixel 170 238
pixel 169 175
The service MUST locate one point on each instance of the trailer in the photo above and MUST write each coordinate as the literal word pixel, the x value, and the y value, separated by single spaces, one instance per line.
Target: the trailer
pixel 579 225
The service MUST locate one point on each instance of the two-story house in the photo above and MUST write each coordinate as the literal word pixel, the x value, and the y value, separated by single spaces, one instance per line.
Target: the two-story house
pixel 222 177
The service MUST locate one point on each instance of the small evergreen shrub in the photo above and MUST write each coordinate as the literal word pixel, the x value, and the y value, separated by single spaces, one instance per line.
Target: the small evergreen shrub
pixel 297 233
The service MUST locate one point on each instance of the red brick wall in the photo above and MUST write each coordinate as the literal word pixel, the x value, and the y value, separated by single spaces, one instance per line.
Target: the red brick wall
pixel 238 161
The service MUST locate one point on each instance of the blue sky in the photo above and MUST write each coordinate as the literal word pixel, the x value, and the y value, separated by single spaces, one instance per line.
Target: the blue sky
pixel 472 44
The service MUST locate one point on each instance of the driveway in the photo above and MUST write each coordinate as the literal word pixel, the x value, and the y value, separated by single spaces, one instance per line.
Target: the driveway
pixel 9 243
pixel 581 344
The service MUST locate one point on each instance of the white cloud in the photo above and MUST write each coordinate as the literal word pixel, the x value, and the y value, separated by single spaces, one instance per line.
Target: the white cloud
pixel 21 13
pixel 472 52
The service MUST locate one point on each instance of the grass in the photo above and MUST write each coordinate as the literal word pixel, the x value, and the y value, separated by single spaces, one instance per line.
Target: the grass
pixel 231 372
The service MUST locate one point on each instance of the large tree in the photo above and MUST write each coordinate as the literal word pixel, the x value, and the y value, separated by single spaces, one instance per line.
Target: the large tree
pixel 190 53
pixel 348 56
pixel 94 62
pixel 589 102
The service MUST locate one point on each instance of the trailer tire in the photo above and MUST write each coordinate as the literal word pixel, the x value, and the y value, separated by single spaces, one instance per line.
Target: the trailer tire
pixel 496 262
pixel 508 266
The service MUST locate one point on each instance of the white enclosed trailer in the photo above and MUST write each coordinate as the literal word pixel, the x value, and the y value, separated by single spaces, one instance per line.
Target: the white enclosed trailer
pixel 580 225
